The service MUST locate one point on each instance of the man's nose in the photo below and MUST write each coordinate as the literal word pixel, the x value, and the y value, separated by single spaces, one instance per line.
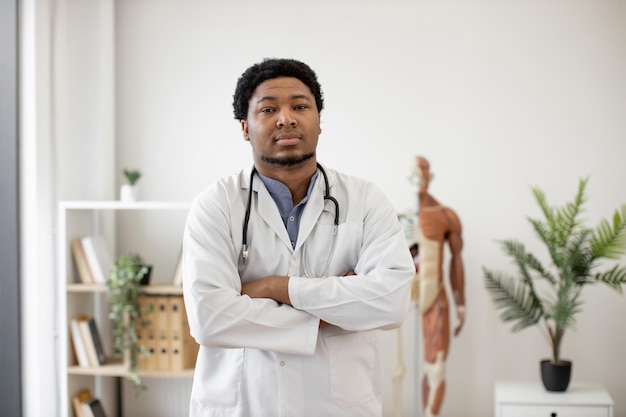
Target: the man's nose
pixel 286 118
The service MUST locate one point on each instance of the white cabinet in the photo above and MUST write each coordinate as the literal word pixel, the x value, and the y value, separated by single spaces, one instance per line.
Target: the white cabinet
pixel 530 399
pixel 153 230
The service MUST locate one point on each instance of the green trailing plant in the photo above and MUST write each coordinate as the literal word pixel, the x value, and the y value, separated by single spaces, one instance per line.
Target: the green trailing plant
pixel 124 290
pixel 549 296
pixel 132 176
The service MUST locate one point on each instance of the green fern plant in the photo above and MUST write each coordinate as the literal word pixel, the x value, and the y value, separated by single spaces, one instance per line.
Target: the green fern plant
pixel 124 290
pixel 574 251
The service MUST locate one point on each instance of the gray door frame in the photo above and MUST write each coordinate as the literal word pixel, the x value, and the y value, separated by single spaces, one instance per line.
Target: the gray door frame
pixel 10 343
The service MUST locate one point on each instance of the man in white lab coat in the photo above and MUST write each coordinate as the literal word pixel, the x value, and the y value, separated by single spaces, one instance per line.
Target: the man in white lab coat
pixel 289 268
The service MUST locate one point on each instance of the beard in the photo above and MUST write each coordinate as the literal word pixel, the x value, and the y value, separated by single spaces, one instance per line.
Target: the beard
pixel 287 161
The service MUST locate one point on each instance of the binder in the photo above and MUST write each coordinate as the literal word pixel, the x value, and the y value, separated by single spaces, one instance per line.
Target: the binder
pixel 162 333
pixel 166 334
pixel 146 335
pixel 183 348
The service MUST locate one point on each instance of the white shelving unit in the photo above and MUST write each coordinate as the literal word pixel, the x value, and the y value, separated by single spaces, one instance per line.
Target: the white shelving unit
pixel 82 218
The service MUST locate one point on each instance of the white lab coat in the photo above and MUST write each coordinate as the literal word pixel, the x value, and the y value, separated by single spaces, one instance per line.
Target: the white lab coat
pixel 259 358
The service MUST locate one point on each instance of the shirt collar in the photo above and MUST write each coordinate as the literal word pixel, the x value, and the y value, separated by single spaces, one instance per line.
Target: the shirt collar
pixel 281 194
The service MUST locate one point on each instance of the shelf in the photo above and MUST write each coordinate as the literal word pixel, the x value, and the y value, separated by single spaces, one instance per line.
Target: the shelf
pixel 159 289
pixel 118 369
pixel 114 368
pixel 186 373
pixel 123 205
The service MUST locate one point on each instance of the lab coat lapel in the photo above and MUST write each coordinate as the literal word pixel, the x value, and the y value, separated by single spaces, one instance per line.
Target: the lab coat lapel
pixel 312 211
pixel 267 210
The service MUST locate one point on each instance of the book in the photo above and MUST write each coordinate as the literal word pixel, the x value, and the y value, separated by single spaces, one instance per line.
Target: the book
pixel 178 271
pixel 78 399
pixel 77 342
pixel 93 408
pixel 80 260
pixel 85 409
pixel 97 341
pixel 90 347
pixel 98 257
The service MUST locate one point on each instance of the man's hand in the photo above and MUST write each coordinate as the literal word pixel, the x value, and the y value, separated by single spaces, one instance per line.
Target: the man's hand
pixel 274 287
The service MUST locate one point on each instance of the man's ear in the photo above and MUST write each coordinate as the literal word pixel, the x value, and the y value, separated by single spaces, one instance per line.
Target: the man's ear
pixel 244 129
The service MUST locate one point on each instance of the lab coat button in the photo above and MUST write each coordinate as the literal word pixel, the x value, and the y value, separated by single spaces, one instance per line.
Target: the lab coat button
pixel 293 258
pixel 282 363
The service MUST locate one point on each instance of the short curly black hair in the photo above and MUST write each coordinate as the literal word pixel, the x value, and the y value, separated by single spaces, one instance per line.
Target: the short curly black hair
pixel 268 69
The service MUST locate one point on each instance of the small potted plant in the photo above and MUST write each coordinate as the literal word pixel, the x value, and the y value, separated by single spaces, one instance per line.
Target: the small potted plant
pixel 129 191
pixel 549 296
pixel 124 288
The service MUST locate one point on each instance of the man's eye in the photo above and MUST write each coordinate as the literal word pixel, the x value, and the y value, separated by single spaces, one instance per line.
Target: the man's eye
pixel 301 107
pixel 266 110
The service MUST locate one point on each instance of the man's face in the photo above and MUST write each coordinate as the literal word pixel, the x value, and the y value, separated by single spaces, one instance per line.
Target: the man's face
pixel 283 123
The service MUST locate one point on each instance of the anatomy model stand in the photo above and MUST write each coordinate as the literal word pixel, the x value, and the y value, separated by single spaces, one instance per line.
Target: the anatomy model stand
pixel 438 226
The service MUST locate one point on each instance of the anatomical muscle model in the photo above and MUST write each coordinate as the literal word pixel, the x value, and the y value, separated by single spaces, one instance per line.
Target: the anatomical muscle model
pixel 439 226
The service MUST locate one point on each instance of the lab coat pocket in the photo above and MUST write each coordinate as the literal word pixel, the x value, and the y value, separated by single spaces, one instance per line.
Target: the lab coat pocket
pixel 352 361
pixel 217 379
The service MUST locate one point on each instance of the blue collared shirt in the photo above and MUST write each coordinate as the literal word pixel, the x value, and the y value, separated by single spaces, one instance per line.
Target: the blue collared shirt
pixel 284 201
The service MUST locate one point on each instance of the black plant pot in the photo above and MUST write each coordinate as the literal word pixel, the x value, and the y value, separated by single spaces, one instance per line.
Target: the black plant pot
pixel 556 376
pixel 145 280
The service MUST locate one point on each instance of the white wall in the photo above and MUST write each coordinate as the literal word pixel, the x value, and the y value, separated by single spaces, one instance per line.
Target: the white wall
pixel 498 95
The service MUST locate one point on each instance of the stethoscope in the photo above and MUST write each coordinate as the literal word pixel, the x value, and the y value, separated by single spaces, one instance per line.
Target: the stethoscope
pixel 327 196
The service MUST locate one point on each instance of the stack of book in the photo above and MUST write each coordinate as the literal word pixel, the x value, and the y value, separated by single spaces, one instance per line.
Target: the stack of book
pixel 92 259
pixel 87 342
pixel 85 405
pixel 164 334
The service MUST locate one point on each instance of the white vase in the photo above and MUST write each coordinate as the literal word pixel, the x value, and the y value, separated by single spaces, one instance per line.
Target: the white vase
pixel 129 193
